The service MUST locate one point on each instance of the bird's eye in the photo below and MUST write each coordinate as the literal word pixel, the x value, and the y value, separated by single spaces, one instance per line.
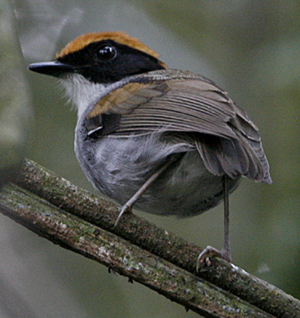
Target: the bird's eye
pixel 106 53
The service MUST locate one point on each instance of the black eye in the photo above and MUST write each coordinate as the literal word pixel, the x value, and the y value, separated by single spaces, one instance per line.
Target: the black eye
pixel 106 53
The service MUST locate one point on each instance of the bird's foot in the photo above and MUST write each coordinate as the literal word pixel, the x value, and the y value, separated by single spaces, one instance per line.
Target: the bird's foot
pixel 208 252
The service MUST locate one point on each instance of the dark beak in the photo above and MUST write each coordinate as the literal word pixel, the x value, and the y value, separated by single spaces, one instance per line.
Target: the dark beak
pixel 53 68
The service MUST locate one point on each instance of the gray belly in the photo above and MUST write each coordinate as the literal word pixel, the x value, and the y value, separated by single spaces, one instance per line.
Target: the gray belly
pixel 118 167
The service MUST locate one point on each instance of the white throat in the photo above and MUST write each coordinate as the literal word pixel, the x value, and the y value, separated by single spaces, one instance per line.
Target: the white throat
pixel 82 92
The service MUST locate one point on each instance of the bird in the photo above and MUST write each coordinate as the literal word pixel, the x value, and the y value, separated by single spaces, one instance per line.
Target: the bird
pixel 161 140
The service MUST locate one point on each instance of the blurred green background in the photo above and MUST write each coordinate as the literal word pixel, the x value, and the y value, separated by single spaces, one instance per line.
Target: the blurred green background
pixel 249 48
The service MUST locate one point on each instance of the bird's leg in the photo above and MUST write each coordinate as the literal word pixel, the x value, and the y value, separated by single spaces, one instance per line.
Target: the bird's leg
pixel 225 253
pixel 127 207
pixel 211 251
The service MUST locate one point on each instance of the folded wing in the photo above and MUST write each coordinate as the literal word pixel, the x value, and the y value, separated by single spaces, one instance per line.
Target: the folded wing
pixel 191 105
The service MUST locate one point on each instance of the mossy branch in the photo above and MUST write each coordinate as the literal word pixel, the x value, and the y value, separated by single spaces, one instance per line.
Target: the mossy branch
pixel 78 220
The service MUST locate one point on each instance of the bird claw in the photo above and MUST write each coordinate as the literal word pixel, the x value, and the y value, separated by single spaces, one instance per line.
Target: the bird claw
pixel 208 252
pixel 126 208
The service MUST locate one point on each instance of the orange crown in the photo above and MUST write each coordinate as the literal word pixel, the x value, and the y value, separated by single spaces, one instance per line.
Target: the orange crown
pixel 120 37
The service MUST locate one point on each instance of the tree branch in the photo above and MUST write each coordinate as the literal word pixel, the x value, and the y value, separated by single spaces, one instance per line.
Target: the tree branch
pixel 54 208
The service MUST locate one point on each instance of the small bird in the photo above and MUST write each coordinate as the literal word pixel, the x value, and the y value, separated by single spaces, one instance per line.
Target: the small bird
pixel 166 141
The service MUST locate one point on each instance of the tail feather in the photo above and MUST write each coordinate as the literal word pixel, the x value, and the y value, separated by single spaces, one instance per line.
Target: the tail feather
pixel 234 157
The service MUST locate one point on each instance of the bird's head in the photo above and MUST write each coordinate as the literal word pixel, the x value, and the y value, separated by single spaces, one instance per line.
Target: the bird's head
pixel 94 61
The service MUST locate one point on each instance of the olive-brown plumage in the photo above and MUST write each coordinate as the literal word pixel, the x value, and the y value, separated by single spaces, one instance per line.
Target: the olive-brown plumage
pixel 164 140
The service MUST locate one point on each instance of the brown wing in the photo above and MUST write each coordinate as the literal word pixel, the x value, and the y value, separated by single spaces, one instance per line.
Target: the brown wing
pixel 183 102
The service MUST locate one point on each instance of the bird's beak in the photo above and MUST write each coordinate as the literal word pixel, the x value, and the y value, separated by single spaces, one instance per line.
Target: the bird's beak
pixel 53 68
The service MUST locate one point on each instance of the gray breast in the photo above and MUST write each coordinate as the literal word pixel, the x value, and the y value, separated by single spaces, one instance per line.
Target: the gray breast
pixel 118 167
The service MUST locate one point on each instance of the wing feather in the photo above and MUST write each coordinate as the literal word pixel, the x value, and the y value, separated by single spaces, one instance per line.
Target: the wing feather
pixel 186 103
